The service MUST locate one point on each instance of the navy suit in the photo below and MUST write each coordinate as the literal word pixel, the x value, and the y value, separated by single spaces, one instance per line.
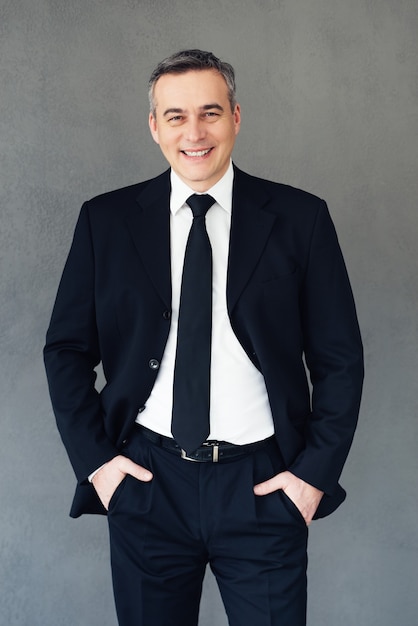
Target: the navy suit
pixel 287 292
pixel 290 304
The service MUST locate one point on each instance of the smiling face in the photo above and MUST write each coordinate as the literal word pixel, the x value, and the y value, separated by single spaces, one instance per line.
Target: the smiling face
pixel 194 125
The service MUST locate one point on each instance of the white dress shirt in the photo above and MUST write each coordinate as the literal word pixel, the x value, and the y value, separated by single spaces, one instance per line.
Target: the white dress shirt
pixel 239 408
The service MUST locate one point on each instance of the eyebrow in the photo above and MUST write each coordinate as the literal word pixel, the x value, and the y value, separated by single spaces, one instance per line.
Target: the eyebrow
pixel 205 107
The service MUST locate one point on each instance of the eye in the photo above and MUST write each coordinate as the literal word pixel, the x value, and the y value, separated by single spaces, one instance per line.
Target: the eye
pixel 211 116
pixel 175 119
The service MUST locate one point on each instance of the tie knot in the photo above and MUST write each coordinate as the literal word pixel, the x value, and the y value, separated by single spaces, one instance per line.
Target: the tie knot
pixel 200 204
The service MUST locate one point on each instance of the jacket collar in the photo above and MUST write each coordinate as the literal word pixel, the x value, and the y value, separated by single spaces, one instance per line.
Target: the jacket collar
pixel 250 228
pixel 149 224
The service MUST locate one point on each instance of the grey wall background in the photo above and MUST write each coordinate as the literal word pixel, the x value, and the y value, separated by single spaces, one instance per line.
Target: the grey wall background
pixel 329 95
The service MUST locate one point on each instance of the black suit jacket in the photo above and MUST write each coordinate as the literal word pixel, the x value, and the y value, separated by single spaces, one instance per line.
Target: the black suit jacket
pixel 289 302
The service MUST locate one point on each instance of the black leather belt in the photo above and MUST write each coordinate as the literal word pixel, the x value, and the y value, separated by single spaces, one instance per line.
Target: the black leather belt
pixel 209 452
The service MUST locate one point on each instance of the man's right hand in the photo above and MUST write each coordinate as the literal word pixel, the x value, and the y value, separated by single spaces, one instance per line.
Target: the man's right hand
pixel 107 479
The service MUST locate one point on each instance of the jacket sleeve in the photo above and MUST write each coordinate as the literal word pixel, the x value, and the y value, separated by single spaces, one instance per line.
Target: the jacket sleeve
pixel 334 358
pixel 71 354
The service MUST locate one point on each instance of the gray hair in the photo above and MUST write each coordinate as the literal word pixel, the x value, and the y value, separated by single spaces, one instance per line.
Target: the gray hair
pixel 189 60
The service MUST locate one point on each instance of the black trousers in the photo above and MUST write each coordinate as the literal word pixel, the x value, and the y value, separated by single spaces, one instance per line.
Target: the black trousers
pixel 163 534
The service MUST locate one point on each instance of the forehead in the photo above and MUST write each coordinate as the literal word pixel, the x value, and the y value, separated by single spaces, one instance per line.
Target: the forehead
pixel 193 88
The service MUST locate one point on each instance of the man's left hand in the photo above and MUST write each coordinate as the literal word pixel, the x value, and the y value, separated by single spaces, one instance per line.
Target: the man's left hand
pixel 303 495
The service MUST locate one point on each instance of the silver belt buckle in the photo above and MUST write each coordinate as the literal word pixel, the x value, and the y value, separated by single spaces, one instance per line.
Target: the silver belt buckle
pixel 187 458
pixel 215 452
pixel 215 449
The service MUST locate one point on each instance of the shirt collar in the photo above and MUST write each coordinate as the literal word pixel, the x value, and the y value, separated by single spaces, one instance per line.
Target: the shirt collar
pixel 221 191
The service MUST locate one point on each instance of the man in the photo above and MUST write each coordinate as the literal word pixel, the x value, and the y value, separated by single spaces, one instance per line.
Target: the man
pixel 232 471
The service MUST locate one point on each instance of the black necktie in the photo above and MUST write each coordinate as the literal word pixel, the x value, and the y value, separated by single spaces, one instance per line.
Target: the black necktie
pixel 191 391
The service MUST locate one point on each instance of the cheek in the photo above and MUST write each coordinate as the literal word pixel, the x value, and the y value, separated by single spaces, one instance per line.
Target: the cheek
pixel 167 142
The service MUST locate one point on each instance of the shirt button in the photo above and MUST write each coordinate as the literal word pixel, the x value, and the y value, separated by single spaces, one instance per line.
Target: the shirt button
pixel 167 315
pixel 154 364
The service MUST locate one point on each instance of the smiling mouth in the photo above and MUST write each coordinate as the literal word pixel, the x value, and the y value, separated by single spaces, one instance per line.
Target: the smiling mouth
pixel 196 153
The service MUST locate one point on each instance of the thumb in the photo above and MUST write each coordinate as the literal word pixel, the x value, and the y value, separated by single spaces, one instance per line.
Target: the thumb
pixel 135 470
pixel 273 484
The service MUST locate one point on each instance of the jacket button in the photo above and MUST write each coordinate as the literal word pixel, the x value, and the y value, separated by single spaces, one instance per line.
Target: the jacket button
pixel 154 364
pixel 167 315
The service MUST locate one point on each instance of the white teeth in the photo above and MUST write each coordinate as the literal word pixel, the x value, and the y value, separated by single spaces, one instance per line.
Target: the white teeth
pixel 198 153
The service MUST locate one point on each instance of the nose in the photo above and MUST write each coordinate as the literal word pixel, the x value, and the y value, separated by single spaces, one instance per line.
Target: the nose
pixel 195 129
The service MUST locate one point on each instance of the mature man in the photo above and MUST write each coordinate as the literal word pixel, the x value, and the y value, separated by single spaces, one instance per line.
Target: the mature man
pixel 204 292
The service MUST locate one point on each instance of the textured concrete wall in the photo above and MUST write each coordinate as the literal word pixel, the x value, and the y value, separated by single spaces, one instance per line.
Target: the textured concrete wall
pixel 330 98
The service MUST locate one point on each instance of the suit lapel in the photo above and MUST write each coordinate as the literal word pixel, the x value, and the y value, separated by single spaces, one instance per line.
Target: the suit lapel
pixel 250 228
pixel 149 224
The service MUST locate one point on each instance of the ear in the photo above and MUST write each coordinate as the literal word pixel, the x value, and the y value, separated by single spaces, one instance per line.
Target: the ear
pixel 153 127
pixel 237 118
